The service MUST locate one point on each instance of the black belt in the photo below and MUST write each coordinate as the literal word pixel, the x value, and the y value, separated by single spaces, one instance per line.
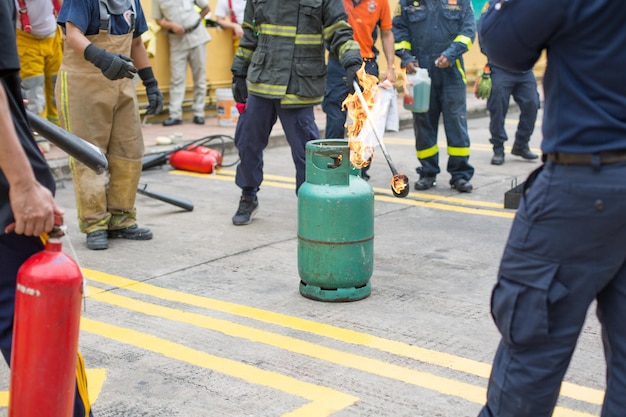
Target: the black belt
pixel 600 158
pixel 187 30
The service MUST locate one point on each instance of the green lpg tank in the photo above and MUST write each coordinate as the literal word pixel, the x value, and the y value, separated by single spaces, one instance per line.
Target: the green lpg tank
pixel 335 225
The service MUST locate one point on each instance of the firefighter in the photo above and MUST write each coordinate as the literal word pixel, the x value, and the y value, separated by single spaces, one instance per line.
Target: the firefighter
pixel 97 96
pixel 282 56
pixel 565 250
pixel 434 34
pixel 40 48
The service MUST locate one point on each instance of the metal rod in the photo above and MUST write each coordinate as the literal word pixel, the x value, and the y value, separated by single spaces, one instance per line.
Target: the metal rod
pixel 358 92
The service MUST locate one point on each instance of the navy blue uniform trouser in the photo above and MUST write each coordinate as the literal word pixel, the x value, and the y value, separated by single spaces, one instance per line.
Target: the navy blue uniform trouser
pixel 252 135
pixel 336 93
pixel 565 250
pixel 523 88
pixel 448 97
pixel 14 251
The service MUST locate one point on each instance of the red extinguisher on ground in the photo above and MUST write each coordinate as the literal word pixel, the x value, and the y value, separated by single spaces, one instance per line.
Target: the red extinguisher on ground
pixel 45 333
pixel 196 159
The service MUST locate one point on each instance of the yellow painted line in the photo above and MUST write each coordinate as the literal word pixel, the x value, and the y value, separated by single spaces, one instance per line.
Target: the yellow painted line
pixel 324 401
pixel 226 176
pixel 95 379
pixel 373 366
pixel 446 207
pixel 230 174
pixel 433 357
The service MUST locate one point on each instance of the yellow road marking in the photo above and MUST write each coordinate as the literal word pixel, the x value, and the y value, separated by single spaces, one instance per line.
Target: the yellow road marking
pixel 227 175
pixel 323 401
pixel 373 366
pixel 433 357
pixel 95 379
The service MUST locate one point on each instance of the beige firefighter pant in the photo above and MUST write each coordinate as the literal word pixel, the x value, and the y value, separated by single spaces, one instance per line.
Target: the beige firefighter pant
pixel 105 113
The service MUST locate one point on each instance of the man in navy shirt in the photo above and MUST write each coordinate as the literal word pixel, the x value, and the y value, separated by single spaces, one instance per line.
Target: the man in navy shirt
pixel 566 245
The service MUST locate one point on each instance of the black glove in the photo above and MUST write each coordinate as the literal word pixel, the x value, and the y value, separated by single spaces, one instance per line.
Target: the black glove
pixel 113 66
pixel 351 77
pixel 240 89
pixel 155 98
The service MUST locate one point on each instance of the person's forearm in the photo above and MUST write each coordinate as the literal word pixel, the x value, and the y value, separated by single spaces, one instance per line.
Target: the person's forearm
pixel 138 54
pixel 225 23
pixel 388 47
pixel 12 158
pixel 76 39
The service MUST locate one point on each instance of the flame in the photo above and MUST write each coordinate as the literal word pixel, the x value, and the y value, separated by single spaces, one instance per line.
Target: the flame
pixel 360 155
pixel 399 183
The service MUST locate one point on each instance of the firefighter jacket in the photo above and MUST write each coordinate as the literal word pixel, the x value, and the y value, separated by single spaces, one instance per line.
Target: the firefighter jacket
pixel 282 50
pixel 425 29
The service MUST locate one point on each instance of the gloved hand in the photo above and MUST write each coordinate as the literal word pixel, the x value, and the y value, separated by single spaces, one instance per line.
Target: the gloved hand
pixel 155 98
pixel 351 77
pixel 240 89
pixel 482 86
pixel 113 66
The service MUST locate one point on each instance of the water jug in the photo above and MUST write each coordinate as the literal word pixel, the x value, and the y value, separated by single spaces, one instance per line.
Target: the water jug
pixel 335 225
pixel 417 91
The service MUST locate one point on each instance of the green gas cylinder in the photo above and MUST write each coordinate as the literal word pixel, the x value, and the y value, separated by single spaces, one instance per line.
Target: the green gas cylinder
pixel 335 225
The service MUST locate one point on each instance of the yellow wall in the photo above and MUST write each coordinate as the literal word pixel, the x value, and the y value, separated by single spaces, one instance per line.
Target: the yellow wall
pixel 220 55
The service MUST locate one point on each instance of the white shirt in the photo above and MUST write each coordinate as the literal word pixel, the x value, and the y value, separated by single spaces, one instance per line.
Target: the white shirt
pixel 222 9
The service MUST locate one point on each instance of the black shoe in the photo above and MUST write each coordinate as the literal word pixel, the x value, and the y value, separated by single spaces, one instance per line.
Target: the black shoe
pixel 133 232
pixel 198 120
pixel 462 185
pixel 172 122
pixel 247 208
pixel 97 240
pixel 524 153
pixel 498 158
pixel 425 183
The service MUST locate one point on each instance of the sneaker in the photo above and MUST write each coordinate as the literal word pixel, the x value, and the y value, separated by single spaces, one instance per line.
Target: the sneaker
pixel 133 232
pixel 462 185
pixel 97 240
pixel 247 209
pixel 425 183
pixel 524 153
pixel 498 158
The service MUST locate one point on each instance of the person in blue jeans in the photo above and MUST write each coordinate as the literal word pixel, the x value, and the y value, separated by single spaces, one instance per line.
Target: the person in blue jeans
pixel 565 249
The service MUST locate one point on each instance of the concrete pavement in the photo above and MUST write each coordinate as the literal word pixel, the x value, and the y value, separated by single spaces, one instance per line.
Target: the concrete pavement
pixel 206 319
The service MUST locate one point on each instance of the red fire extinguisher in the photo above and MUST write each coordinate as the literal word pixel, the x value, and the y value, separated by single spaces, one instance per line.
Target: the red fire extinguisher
pixel 45 333
pixel 196 159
